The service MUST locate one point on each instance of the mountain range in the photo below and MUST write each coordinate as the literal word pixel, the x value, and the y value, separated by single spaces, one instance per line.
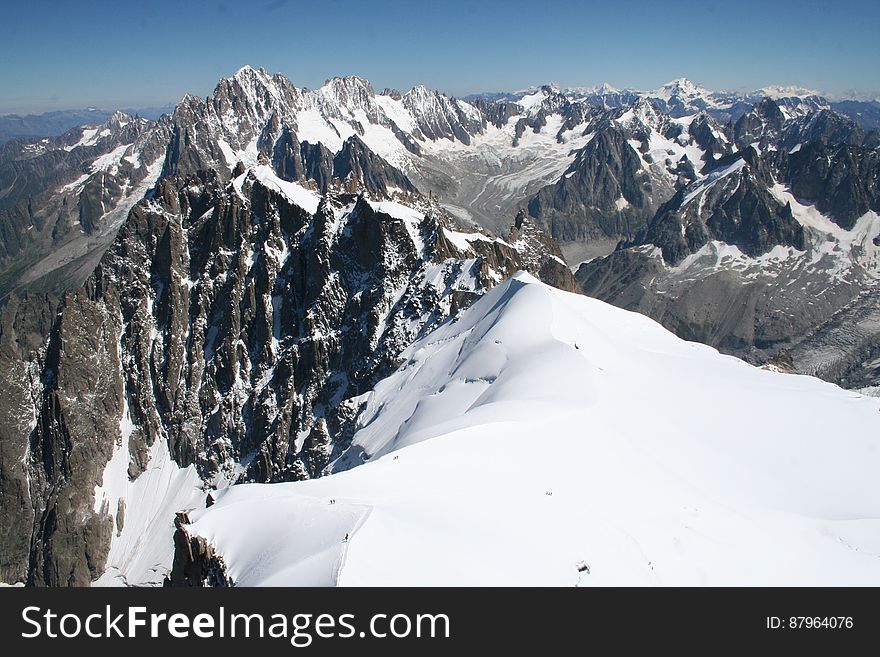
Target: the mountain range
pixel 234 291
pixel 57 122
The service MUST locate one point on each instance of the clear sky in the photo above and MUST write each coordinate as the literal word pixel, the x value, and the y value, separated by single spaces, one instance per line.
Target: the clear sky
pixel 78 53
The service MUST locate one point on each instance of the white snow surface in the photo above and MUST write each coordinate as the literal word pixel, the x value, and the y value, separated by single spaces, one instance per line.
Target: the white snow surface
pixel 110 161
pixel 708 181
pixel 301 196
pixel 541 429
pixel 141 554
pixel 89 137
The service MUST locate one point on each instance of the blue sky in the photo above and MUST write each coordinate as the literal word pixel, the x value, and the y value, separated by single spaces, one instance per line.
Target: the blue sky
pixel 132 54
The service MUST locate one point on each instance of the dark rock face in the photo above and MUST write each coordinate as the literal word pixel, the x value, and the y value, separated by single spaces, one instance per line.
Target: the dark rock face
pixel 583 204
pixel 24 328
pixel 357 161
pixel 810 300
pixel 72 440
pixel 293 160
pixel 796 302
pixel 195 562
pixel 392 93
pixel 718 309
pixel 823 126
pixel 62 199
pixel 538 252
pixel 734 208
pixel 872 139
pixel 752 220
pixel 710 137
pixel 635 161
pixel 496 113
pixel 440 117
pixel 842 181
pixel 762 125
pixel 865 113
pixel 190 149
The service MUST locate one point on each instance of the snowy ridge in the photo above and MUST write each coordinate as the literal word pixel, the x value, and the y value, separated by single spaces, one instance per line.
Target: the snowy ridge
pixel 706 183
pixel 296 193
pixel 502 456
pixel 832 248
pixel 248 109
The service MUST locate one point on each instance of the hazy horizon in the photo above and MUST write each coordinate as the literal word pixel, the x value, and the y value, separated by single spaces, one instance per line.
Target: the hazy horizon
pixel 170 104
pixel 106 55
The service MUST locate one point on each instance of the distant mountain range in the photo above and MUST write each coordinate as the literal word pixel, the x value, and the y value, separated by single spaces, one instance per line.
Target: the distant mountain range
pixel 682 96
pixel 52 124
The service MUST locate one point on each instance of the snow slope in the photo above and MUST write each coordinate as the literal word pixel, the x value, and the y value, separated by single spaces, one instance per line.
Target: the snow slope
pixel 140 554
pixel 541 429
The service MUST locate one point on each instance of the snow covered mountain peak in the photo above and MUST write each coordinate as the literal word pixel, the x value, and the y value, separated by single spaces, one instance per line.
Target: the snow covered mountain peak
pixel 643 112
pixel 681 87
pixel 347 90
pixel 440 117
pixel 254 82
pixel 547 98
pixel 552 467
pixel 683 97
pixel 597 89
pixel 549 87
pixel 606 88
pixel 423 97
pixel 246 71
pixel 118 119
